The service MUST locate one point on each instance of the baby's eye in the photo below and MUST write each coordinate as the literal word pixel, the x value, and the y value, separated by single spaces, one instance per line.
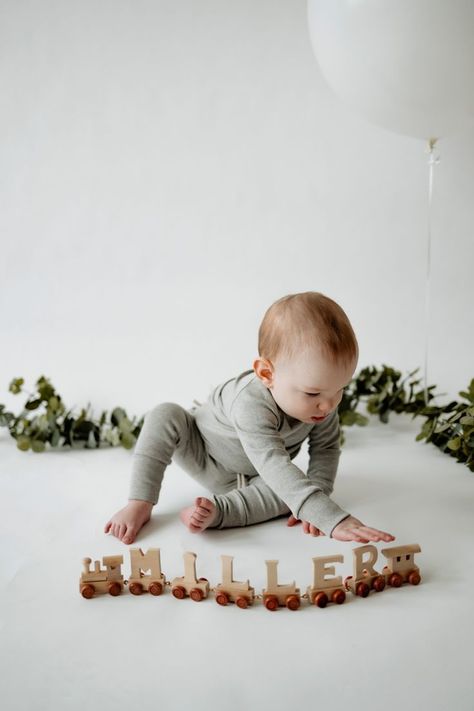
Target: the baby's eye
pixel 312 394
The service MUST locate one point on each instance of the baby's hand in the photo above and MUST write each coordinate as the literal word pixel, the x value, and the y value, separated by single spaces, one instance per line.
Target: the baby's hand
pixel 307 526
pixel 351 529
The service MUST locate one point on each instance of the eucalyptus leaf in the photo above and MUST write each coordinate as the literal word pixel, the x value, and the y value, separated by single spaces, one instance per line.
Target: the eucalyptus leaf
pixel 32 404
pixel 23 443
pixel 454 443
pixel 118 414
pixel 37 445
pixel 15 385
pixel 128 440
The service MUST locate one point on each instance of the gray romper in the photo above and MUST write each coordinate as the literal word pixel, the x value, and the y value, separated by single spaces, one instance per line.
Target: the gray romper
pixel 239 445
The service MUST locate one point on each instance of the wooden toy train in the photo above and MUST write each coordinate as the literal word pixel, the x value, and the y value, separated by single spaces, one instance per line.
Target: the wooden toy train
pixel 146 576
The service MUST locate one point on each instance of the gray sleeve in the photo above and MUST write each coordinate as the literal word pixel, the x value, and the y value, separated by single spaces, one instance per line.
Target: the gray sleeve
pixel 324 452
pixel 256 424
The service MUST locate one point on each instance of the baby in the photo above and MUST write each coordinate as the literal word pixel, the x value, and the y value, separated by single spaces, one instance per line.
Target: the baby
pixel 240 444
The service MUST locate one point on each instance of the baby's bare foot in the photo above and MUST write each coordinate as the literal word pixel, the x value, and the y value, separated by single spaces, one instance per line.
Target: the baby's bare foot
pixel 126 523
pixel 199 516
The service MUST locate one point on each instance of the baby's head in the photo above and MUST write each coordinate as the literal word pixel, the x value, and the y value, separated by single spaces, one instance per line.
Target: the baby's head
pixel 308 353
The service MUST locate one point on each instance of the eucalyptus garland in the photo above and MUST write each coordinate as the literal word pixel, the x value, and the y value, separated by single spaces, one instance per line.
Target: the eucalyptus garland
pixel 44 419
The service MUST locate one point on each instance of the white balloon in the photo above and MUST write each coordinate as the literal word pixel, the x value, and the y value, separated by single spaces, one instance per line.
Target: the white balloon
pixel 406 65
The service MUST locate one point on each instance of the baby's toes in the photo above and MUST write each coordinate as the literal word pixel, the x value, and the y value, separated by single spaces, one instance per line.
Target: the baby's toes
pixel 205 504
pixel 130 534
pixel 107 526
pixel 199 517
pixel 195 525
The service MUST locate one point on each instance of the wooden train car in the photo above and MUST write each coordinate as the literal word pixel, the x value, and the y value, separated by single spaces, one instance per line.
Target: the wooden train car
pixel 231 590
pixel 275 595
pixel 189 584
pixel 146 575
pixel 324 590
pixel 401 567
pixel 365 577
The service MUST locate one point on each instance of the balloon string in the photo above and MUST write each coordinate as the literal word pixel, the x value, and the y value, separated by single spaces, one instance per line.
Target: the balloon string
pixel 432 161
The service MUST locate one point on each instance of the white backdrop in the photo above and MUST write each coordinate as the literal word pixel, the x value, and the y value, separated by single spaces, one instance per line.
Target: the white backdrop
pixel 170 169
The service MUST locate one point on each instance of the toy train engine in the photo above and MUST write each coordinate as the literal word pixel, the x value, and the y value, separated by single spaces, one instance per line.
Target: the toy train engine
pixel 102 580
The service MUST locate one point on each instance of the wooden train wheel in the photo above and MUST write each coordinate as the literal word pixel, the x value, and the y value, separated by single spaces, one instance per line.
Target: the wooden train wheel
pixel 378 583
pixel 338 596
pixel 321 599
pixel 362 589
pixel 395 580
pixel 155 588
pixel 114 589
pixel 136 588
pixel 196 594
pixel 87 591
pixel 178 592
pixel 292 602
pixel 271 602
pixel 222 598
pixel 414 577
pixel 242 602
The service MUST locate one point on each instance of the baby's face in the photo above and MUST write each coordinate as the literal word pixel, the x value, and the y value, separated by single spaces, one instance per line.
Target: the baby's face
pixel 308 387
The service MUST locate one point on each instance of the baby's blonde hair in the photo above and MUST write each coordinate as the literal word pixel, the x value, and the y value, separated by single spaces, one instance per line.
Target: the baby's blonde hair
pixel 309 319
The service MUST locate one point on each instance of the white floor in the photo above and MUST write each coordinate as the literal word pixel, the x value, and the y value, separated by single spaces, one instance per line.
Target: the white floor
pixel 404 648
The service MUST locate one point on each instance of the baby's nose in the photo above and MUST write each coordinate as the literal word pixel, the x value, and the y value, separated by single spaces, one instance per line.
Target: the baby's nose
pixel 324 409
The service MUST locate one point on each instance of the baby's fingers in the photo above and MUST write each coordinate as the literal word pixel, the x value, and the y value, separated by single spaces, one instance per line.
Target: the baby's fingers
pixel 307 526
pixel 357 536
pixel 349 534
pixel 374 534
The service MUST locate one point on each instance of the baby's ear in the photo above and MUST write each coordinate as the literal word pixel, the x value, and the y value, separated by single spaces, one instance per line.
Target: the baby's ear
pixel 263 370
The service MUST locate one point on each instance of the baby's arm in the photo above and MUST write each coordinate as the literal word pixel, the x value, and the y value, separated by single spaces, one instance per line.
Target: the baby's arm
pixel 307 496
pixel 324 453
pixel 257 426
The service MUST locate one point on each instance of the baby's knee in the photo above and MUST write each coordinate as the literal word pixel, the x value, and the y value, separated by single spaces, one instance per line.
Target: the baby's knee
pixel 166 412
